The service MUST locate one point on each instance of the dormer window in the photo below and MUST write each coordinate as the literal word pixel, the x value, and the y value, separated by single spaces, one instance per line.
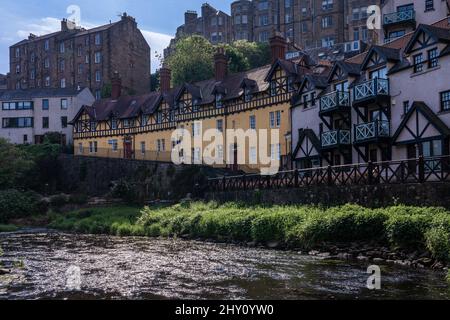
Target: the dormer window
pixel 181 106
pixel 247 95
pixel 126 123
pixel 433 60
pixel 219 102
pixel 144 119
pixel 195 105
pixel 273 88
pixel 418 63
pixel 159 117
pixel 93 126
pixel 113 124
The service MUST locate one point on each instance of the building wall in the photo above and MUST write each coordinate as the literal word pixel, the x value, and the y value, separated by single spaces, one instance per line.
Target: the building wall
pixel 54 114
pixel 122 48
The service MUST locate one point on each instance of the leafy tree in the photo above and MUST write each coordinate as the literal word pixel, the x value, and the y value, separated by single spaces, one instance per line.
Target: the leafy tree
pixel 244 55
pixel 14 165
pixel 192 60
pixel 106 91
pixel 155 81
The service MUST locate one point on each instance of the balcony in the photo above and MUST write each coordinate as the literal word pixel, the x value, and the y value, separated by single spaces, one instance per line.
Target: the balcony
pixel 400 17
pixel 336 138
pixel 375 131
pixel 372 91
pixel 335 101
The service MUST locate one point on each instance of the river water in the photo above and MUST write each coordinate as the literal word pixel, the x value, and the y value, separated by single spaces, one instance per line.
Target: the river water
pixel 51 265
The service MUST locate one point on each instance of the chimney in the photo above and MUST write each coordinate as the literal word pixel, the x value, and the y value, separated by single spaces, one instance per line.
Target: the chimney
pixel 67 25
pixel 116 90
pixel 278 47
pixel 165 76
pixel 220 64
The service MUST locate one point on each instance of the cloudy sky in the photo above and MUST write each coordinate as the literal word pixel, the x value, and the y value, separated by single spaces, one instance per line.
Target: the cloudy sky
pixel 158 19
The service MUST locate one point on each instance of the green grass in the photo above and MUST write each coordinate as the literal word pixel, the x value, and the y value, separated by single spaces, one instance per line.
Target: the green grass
pixel 8 228
pixel 294 226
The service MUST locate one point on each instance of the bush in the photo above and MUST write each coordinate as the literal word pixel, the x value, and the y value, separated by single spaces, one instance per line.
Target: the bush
pixel 78 199
pixel 16 204
pixel 7 228
pixel 438 243
pixel 407 231
pixel 59 201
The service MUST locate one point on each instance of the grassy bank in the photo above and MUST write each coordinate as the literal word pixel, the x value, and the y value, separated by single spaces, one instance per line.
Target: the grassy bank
pixel 295 226
pixel 8 228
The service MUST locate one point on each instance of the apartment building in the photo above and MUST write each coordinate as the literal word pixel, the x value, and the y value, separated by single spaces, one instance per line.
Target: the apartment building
pixel 75 57
pixel 304 23
pixel 403 16
pixel 141 127
pixel 27 115
pixel 390 103
pixel 3 82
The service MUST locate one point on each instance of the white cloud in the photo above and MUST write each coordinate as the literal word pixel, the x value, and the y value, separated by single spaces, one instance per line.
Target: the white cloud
pixel 158 42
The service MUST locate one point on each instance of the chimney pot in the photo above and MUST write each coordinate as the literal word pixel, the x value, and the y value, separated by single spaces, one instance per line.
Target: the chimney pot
pixel 220 64
pixel 165 76
pixel 278 46
pixel 116 83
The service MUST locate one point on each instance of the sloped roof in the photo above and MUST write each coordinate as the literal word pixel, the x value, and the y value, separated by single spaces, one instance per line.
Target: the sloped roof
pixel 38 93
pixel 311 135
pixel 441 34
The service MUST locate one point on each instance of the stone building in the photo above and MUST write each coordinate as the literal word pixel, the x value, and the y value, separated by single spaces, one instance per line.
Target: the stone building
pixel 304 23
pixel 27 115
pixel 75 57
pixel 3 82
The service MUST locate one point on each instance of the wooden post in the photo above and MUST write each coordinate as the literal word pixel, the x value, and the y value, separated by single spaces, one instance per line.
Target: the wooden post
pixel 244 186
pixel 296 178
pixel 421 169
pixel 330 175
pixel 224 183
pixel 370 172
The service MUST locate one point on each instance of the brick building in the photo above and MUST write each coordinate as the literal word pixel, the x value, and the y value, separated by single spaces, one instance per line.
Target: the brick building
pixel 305 23
pixel 75 57
pixel 3 82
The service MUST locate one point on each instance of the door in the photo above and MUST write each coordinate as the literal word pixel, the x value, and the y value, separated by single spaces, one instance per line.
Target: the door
pixel 128 148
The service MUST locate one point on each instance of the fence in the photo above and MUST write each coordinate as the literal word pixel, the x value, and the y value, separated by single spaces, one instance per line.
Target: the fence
pixel 420 170
pixel 158 156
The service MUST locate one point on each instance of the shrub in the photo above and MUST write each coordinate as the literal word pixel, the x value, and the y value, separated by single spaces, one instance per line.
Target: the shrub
pixel 7 228
pixel 407 231
pixel 438 243
pixel 17 204
pixel 58 201
pixel 78 199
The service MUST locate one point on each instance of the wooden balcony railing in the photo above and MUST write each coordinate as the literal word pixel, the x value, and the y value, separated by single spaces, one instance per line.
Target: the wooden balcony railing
pixel 334 100
pixel 420 170
pixel 372 130
pixel 371 89
pixel 336 138
pixel 400 16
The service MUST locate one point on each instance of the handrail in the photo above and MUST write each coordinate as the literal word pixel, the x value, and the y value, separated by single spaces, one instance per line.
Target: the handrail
pixel 399 16
pixel 371 88
pixel 334 99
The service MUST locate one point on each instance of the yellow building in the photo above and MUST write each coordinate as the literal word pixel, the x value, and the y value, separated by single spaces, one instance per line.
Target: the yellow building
pixel 142 127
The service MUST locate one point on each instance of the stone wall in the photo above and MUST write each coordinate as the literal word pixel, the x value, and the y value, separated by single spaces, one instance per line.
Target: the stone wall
pixel 427 194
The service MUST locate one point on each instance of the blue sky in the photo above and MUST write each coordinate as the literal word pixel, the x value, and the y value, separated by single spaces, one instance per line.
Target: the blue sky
pixel 158 19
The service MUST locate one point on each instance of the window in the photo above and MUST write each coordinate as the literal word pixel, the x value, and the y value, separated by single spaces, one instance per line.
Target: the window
pixel 418 63
pixel 64 122
pixel 429 5
pixel 45 123
pixel 219 125
pixel 98 57
pixel 327 42
pixel 406 107
pixel 98 94
pixel 305 101
pixel 126 123
pixel 273 88
pixel 80 68
pixel 63 83
pixel 290 84
pixel 253 122
pixel 114 145
pixel 327 4
pixel 160 145
pixel 304 27
pixel 98 76
pixel 45 104
pixel 62 47
pixel 143 147
pixel 445 100
pixel 98 39
pixel 219 153
pixel 356 34
pixel 196 128
pixel 113 124
pixel 93 126
pixel 93 146
pixel 62 65
pixel 263 20
pixel 247 95
pixel 46 63
pixel 17 122
pixel 80 51
pixel 355 14
pixel 433 59
pixel 159 117
pixel 25 138
pixel 264 36
pixel 275 119
pixel 219 103
pixel 47 81
pixel 263 5
pixel 275 152
pixel 64 104
pixel 46 45
pixel 17 52
pixel 327 22
pixel 80 147
pixel 253 155
pixel 33 57
pixel 32 74
pixel 22 105
pixel 313 99
pixel 86 59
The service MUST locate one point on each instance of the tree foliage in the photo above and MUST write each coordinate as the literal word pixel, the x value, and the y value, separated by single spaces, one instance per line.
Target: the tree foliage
pixel 193 58
pixel 14 165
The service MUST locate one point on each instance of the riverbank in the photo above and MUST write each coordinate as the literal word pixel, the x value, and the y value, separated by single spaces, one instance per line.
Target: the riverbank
pixel 409 236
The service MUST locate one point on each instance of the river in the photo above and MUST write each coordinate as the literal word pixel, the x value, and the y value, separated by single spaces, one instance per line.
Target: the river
pixel 139 268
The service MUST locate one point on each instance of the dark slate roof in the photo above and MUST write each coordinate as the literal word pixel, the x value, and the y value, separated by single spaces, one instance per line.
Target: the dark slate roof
pixel 428 113
pixel 38 93
pixel 441 34
pixel 399 66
